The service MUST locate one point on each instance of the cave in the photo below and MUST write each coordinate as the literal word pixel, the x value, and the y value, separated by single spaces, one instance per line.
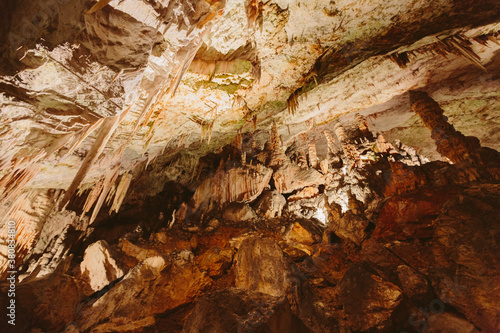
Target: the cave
pixel 246 166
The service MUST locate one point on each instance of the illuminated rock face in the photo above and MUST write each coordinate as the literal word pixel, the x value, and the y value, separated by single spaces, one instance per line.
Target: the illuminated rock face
pixel 269 152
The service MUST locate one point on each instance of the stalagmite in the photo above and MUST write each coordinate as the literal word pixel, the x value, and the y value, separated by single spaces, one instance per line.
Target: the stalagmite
pixel 459 149
pixel 331 142
pixel 313 157
pixel 302 159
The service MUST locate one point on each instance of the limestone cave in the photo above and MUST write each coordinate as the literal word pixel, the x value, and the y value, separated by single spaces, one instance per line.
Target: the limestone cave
pixel 250 166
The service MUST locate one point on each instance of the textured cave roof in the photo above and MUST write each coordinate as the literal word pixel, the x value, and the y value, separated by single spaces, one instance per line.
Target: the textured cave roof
pixel 78 81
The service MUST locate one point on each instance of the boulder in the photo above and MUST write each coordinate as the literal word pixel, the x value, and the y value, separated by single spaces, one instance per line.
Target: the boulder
pixel 413 283
pixel 466 250
pixel 48 303
pixel 351 227
pixel 237 212
pixel 236 310
pixel 101 265
pixel 447 322
pixel 136 251
pixel 270 204
pixel 215 261
pixel 367 299
pixel 156 285
pixel 297 233
pixel 260 266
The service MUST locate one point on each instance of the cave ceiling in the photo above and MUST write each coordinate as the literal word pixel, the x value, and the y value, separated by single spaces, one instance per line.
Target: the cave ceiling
pixel 91 91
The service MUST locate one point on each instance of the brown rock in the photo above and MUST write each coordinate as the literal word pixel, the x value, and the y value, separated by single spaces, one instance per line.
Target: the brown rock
pixel 261 266
pixel 447 322
pixel 411 215
pixel 215 261
pixel 413 283
pixel 237 212
pixel 305 193
pixel 156 285
pixel 236 310
pixel 403 179
pixel 299 234
pixel 466 271
pixel 136 251
pixel 101 265
pixel 270 204
pixel 368 300
pixel 351 227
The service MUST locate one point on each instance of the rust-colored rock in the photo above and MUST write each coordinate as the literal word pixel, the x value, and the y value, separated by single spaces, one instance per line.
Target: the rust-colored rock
pixel 411 215
pixel 261 266
pixel 237 310
pixel 156 285
pixel 215 261
pixel 403 179
pixel 368 300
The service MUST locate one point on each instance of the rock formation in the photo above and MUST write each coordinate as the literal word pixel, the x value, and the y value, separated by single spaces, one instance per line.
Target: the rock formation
pixel 249 166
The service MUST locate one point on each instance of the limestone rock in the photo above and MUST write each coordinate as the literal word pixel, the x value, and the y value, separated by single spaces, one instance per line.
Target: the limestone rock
pixel 261 266
pixel 467 263
pixel 351 227
pixel 306 193
pixel 212 225
pixel 292 177
pixel 411 215
pixel 299 234
pixel 237 212
pixel 48 303
pixel 101 265
pixel 136 251
pixel 270 204
pixel 237 310
pixel 368 300
pixel 447 322
pixel 413 283
pixel 403 179
pixel 243 184
pixel 156 285
pixel 215 261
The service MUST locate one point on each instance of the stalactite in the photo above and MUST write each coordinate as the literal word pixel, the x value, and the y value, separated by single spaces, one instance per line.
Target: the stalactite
pixel 349 149
pixel 254 13
pixel 106 131
pixel 450 143
pixel 461 150
pixel 243 158
pixel 293 103
pixel 457 44
pixel 89 130
pixel 121 192
pixel 383 146
pixel 29 211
